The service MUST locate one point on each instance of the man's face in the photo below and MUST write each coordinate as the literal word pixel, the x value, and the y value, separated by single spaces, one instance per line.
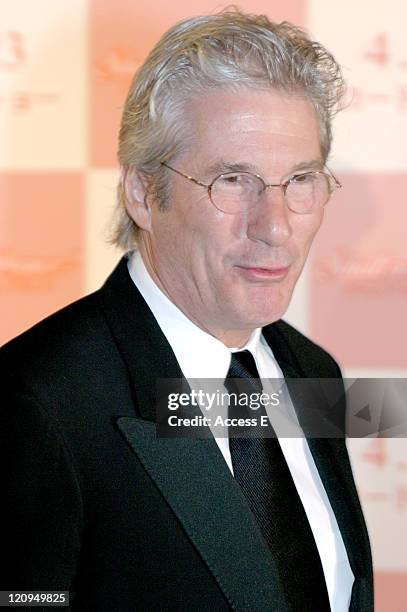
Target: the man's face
pixel 231 273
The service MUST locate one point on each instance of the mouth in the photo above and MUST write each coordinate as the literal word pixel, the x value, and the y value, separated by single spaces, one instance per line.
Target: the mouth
pixel 261 274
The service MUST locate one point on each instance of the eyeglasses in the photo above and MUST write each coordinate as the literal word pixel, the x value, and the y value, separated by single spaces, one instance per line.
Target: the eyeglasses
pixel 234 192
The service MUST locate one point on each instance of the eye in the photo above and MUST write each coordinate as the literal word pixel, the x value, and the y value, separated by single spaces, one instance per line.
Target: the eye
pixel 234 179
pixel 235 182
pixel 305 177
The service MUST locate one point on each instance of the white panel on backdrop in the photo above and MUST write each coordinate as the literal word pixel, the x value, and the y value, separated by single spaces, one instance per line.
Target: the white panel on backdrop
pixel 380 467
pixel 369 40
pixel 43 92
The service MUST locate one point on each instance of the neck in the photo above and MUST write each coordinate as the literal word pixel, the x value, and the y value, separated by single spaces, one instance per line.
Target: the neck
pixel 233 338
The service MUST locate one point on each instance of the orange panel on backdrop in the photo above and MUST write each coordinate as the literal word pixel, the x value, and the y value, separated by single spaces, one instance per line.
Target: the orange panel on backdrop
pixel 41 246
pixel 120 38
pixel 359 277
pixel 390 591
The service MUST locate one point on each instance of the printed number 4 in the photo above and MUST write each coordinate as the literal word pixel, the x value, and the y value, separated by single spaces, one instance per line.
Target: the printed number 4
pixel 376 453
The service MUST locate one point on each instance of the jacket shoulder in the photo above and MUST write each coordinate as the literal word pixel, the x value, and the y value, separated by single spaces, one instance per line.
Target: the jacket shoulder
pixel 66 322
pixel 310 358
pixel 73 334
pixel 76 330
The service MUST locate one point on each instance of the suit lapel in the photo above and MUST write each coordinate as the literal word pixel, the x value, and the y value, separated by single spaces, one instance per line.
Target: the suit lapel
pixel 332 462
pixel 191 474
pixel 193 477
pixel 145 350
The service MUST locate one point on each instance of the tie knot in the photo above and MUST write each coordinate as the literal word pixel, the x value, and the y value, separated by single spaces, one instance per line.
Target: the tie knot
pixel 242 365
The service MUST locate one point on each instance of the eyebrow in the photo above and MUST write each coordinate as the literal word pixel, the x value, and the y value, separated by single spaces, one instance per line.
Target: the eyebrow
pixel 222 167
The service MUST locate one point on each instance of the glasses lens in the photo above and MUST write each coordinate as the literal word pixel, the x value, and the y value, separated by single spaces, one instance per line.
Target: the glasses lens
pixel 236 191
pixel 309 191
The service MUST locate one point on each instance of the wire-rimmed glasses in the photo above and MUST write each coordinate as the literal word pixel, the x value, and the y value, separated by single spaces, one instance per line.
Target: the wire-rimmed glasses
pixel 234 192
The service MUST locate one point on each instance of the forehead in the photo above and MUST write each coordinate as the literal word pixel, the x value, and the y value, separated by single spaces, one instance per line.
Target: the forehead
pixel 257 127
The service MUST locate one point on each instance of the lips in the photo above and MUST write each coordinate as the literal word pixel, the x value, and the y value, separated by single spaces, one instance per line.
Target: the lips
pixel 263 273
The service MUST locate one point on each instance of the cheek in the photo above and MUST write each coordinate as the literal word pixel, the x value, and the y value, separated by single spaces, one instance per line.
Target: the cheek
pixel 213 234
pixel 168 245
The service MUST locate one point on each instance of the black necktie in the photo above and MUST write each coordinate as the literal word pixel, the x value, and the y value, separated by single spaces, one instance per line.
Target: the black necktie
pixel 261 471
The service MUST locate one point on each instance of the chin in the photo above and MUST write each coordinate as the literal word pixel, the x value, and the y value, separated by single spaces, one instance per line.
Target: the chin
pixel 261 318
pixel 267 310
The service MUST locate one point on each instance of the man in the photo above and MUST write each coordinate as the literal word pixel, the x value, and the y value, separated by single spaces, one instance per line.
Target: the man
pixel 223 145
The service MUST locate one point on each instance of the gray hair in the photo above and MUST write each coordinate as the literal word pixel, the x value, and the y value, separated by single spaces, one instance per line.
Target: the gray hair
pixel 229 49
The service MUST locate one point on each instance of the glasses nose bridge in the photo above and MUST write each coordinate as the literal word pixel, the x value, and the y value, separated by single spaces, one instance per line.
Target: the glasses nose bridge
pixel 282 186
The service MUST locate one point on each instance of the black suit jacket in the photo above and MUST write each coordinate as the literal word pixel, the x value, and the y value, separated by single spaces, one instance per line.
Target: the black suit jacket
pixel 95 503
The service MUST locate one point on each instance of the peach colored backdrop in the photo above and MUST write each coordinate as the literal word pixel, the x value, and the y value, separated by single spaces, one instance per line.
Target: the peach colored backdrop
pixel 64 70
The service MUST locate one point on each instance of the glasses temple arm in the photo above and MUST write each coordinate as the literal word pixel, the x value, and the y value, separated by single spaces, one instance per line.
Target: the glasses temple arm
pixel 338 183
pixel 190 178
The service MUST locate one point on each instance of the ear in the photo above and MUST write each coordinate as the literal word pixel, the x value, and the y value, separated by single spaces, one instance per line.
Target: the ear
pixel 137 202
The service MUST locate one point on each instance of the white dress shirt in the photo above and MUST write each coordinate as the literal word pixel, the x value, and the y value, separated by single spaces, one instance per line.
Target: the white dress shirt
pixel 201 355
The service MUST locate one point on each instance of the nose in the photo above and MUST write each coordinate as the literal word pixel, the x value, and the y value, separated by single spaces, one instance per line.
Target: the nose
pixel 269 220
